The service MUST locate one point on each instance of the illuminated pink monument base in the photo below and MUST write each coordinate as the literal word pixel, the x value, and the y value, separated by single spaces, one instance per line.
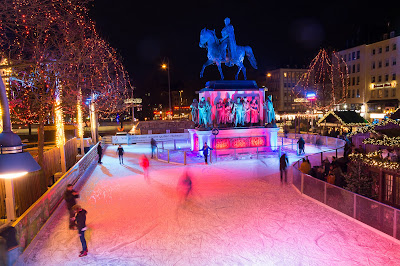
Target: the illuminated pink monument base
pixel 231 138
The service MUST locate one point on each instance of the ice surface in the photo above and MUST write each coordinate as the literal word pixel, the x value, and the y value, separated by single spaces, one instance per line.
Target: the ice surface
pixel 238 214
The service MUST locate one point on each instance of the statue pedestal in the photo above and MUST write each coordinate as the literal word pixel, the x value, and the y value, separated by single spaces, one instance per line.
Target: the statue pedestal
pixel 232 89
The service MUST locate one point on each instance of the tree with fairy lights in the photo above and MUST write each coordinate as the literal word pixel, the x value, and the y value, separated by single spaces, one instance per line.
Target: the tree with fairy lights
pixel 326 79
pixel 358 179
pixel 57 58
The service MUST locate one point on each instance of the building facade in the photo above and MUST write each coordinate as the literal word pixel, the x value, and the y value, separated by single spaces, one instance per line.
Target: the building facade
pixel 280 84
pixel 373 88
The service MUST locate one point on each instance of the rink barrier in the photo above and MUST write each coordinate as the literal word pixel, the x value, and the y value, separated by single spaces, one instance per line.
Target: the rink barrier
pixel 373 214
pixel 29 224
pixel 163 154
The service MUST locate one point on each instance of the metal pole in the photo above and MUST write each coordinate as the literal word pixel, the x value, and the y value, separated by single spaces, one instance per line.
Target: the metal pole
pixel 354 206
pixel 169 89
pixel 184 157
pixel 257 152
pixel 168 156
pixel 174 144
pixel 4 107
pixel 324 192
pixel 302 183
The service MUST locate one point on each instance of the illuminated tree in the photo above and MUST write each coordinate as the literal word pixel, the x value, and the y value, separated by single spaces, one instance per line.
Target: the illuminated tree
pixel 327 77
pixel 55 51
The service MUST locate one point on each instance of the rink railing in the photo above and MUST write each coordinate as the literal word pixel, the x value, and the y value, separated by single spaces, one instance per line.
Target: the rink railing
pixel 178 152
pixel 31 221
pixel 377 215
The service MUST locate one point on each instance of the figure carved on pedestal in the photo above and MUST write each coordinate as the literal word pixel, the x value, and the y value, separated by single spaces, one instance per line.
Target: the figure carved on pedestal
pixel 247 110
pixel 225 50
pixel 195 111
pixel 269 110
pixel 220 108
pixel 254 111
pixel 239 111
pixel 229 111
pixel 204 112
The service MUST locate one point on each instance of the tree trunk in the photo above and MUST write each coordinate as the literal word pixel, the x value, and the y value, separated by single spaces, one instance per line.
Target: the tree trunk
pixel 30 129
pixel 40 132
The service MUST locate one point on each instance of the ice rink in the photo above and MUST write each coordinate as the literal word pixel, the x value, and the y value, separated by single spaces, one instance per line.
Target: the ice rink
pixel 238 214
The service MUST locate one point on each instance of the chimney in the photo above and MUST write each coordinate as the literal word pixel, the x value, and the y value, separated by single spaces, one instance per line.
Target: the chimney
pixel 392 34
pixel 385 36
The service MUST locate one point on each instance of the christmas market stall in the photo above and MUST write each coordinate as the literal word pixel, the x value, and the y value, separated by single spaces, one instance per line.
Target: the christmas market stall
pixel 343 121
pixel 376 152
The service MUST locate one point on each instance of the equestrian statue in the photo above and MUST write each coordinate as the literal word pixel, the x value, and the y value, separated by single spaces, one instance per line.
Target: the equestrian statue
pixel 225 50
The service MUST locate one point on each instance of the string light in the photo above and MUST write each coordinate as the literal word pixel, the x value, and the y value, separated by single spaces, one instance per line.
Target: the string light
pixel 59 120
pixel 373 159
pixel 326 78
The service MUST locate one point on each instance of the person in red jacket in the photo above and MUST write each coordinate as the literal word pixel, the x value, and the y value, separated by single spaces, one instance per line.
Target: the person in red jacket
pixel 144 163
pixel 80 220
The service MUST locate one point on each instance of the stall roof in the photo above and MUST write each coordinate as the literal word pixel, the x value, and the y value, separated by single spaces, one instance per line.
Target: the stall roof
pixel 344 118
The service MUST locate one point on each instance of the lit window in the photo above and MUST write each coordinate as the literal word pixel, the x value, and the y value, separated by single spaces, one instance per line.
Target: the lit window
pixel 285 74
pixel 388 186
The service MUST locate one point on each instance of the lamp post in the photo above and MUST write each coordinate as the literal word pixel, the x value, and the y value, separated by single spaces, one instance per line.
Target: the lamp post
pixel 166 66
pixel 13 161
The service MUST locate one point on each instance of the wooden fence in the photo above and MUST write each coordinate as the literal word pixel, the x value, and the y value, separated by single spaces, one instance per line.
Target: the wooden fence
pixel 31 187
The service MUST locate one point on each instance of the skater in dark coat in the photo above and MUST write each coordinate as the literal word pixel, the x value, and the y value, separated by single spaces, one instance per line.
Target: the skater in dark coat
pixel 120 152
pixel 80 220
pixel 70 196
pixel 205 151
pixel 283 164
pixel 99 151
pixel 301 143
pixel 153 144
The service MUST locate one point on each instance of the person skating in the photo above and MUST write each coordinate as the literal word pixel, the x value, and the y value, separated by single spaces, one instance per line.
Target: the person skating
pixel 99 152
pixel 70 196
pixel 205 151
pixel 153 144
pixel 80 220
pixel 144 163
pixel 120 152
pixel 301 143
pixel 187 184
pixel 283 164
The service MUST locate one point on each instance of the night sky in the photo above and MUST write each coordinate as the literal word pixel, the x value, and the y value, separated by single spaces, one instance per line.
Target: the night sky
pixel 281 34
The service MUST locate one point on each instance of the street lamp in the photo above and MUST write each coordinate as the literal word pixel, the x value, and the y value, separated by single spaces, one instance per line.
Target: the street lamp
pixel 13 161
pixel 166 66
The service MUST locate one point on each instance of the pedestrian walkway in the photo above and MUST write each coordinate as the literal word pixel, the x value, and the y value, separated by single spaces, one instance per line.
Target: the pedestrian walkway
pixel 239 213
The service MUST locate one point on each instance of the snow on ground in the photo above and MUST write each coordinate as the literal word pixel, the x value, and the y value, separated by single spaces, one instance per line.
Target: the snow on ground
pixel 238 214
